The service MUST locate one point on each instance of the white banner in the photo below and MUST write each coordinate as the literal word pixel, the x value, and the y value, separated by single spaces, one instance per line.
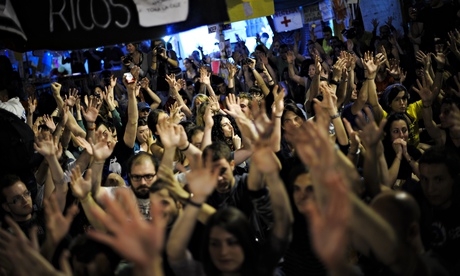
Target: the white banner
pixel 161 12
pixel 288 20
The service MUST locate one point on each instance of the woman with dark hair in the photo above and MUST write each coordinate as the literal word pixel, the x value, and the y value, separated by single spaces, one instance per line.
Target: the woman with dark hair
pixel 226 130
pixel 395 100
pixel 190 70
pixel 401 157
pixel 135 58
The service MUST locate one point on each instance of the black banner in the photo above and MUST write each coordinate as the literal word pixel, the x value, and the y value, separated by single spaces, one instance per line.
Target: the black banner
pixel 77 24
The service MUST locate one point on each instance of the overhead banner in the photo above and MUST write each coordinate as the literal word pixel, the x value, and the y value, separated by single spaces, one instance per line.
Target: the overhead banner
pixel 77 24
pixel 288 20
pixel 311 13
pixel 239 10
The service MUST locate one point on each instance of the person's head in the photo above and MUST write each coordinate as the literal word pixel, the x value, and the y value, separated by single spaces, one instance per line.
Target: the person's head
pixel 143 131
pixel 446 120
pixel 107 129
pixel 292 116
pixel 160 193
pixel 264 37
pixel 396 96
pixel 189 65
pixel 283 51
pixel 198 99
pixel 302 187
pixel 221 160
pixel 229 244
pixel 15 198
pixel 385 31
pixel 156 116
pixel 439 176
pixel 143 109
pixel 396 127
pixel 91 258
pixel 223 127
pixel 195 136
pixel 131 47
pixel 245 103
pixel 327 33
pixel 401 211
pixel 259 50
pixel 142 172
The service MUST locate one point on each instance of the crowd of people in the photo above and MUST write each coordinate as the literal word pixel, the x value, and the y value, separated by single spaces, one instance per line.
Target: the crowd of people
pixel 342 162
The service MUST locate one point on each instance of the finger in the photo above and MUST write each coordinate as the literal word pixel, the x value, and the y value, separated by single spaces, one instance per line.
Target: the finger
pixel 64 263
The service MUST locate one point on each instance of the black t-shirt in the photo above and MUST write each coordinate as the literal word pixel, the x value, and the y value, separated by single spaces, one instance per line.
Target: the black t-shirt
pixel 38 219
pixel 117 162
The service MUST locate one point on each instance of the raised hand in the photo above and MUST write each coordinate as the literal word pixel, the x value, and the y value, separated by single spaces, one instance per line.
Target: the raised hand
pixel 57 225
pixel 81 187
pixel 425 92
pixel 45 144
pixel 375 23
pixel 171 80
pixel 176 115
pixel 169 133
pixel 103 147
pixel 355 141
pixel 135 239
pixel 49 122
pixel 72 98
pixel 32 104
pixel 108 97
pixel 370 134
pixel 329 102
pixel 233 106
pixel 290 57
pixel 278 104
pixel 56 88
pixel 113 81
pixel 81 142
pixel 264 126
pixel 203 178
pixel 207 117
pixel 329 225
pixel 398 145
pixel 205 77
pixel 92 110
pixel 214 104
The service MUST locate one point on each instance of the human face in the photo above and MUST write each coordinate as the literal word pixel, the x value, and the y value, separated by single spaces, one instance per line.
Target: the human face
pixel 444 118
pixel 437 184
pixel 97 91
pixel 399 104
pixel 141 186
pixel 225 250
pixel 18 202
pixel 244 105
pixel 144 113
pixel 142 134
pixel 170 207
pixel 311 70
pixel 187 64
pixel 303 191
pixel 130 48
pixel 107 134
pixel 290 119
pixel 225 181
pixel 327 36
pixel 399 129
pixel 197 139
pixel 227 127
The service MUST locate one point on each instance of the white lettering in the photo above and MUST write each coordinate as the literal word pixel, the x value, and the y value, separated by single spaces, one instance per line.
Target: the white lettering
pixel 87 28
pixel 128 15
pixel 109 15
pixel 59 13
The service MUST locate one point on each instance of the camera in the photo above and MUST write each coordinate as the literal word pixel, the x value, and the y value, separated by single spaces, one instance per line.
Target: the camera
pixel 127 60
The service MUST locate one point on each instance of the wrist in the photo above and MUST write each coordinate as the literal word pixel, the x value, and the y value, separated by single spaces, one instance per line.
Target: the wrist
pixel 86 197
pixel 334 115
pixel 426 104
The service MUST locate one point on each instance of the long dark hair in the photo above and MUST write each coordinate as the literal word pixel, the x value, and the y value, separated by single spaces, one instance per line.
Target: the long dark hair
pixel 235 222
pixel 218 134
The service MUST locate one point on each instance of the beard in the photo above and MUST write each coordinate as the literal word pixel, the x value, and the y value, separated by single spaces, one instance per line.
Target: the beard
pixel 142 192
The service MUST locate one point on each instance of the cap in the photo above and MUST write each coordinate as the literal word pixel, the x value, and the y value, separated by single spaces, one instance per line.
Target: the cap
pixel 143 105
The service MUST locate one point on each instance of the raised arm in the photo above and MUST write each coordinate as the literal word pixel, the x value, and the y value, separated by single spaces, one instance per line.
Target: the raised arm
pixel 133 114
pixel 292 75
pixel 260 81
pixel 370 66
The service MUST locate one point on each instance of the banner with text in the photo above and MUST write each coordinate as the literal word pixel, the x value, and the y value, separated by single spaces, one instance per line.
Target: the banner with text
pixel 288 20
pixel 72 24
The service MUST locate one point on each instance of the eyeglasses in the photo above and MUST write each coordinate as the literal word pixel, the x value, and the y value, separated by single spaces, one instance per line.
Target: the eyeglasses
pixel 18 198
pixel 147 177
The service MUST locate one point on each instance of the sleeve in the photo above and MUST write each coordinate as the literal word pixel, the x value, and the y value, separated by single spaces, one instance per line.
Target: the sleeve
pixel 415 110
pixel 116 119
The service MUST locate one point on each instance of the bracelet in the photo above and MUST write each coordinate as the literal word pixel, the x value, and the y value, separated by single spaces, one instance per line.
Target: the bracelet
pixel 371 79
pixel 335 116
pixel 279 117
pixel 192 203
pixel 92 128
pixel 186 148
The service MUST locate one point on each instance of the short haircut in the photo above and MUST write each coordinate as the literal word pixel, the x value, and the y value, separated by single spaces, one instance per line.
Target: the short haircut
pixel 191 132
pixel 247 96
pixel 85 251
pixel 327 29
pixel 161 184
pixel 7 181
pixel 442 155
pixel 139 158
pixel 218 150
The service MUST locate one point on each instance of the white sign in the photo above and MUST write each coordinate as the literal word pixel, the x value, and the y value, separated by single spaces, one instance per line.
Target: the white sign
pixel 311 13
pixel 161 12
pixel 288 20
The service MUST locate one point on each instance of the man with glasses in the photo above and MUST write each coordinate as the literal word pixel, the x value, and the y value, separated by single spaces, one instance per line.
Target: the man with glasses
pixel 17 202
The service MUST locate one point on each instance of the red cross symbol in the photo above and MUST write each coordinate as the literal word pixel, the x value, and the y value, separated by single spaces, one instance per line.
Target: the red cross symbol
pixel 286 21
